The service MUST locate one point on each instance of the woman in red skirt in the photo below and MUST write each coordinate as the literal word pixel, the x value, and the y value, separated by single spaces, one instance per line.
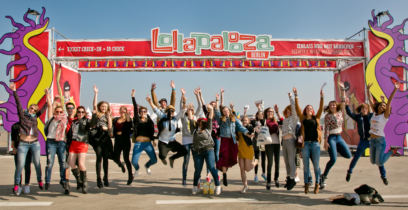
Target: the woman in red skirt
pixel 229 124
pixel 78 134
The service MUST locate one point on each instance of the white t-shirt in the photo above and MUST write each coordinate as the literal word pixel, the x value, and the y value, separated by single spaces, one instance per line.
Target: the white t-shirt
pixel 378 123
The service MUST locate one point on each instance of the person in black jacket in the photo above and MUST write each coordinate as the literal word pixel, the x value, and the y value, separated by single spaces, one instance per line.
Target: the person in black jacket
pixel 144 136
pixel 78 136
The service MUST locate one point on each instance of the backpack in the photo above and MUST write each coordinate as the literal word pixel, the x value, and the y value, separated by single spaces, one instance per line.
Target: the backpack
pixel 200 145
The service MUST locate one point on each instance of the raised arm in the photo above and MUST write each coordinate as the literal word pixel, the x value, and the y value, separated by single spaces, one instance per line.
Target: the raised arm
pixel 17 99
pixel 342 95
pixel 320 110
pixel 276 108
pixel 154 96
pixel 173 94
pixel 222 97
pixel 292 105
pixel 217 113
pixel 135 109
pixel 199 104
pixel 298 110
pixel 388 107
pixel 159 113
pixel 210 116
pixel 95 99
pixel 49 104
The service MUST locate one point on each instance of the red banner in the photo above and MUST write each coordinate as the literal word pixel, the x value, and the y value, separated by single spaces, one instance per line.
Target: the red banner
pixel 67 84
pixel 142 49
pixel 115 109
pixel 353 79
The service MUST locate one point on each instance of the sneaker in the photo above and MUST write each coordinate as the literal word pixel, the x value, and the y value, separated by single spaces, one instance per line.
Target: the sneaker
pixel 322 181
pixel 171 162
pixel 17 190
pixel 264 177
pixel 244 189
pixel 217 190
pixel 164 161
pixel 136 173
pixel 26 189
pixel 385 180
pixel 348 177
pixel 208 179
pixel 291 183
pixel 148 171
pixel 41 185
pixel 256 180
pixel 297 179
pixel 195 190
pixel 184 183
pixel 276 183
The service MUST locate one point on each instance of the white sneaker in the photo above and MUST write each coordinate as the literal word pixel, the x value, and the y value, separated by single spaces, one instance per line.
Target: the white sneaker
pixel 245 189
pixel 195 190
pixel 26 189
pixel 297 179
pixel 148 171
pixel 217 190
pixel 136 173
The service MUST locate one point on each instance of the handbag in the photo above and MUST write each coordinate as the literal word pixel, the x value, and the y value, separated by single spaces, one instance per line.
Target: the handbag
pixel 264 137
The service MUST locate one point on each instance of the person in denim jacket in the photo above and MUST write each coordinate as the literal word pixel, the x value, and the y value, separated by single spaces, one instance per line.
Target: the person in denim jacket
pixel 229 124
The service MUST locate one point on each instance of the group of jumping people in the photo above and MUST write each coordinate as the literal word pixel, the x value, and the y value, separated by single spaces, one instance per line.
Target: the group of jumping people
pixel 212 133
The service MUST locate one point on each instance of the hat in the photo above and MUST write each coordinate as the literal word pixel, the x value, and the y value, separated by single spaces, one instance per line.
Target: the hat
pixel 169 107
pixel 202 119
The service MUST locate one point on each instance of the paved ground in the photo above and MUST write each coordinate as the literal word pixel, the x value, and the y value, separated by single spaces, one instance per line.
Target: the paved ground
pixel 163 189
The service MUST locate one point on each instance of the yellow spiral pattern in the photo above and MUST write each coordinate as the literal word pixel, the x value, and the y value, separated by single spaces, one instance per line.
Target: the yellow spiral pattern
pixel 376 90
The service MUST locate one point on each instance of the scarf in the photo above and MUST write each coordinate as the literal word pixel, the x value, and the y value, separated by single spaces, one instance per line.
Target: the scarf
pixel 60 131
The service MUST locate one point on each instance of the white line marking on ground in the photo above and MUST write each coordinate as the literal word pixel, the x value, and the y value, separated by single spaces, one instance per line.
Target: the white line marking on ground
pixel 8 204
pixel 395 196
pixel 203 201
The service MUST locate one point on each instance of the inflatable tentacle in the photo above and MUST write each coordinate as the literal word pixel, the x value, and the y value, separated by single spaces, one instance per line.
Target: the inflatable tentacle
pixel 20 61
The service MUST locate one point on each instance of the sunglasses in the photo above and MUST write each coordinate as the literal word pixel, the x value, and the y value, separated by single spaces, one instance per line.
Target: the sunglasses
pixel 32 108
pixel 81 112
pixel 70 108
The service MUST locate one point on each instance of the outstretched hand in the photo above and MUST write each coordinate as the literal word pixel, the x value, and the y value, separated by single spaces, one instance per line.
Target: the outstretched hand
pixel 133 93
pixel 183 92
pixel 172 85
pixel 12 86
pixel 95 89
pixel 295 91
pixel 153 86
pixel 148 99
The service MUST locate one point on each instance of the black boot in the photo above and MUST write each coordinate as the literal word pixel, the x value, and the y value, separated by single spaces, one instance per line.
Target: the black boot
pixel 224 179
pixel 75 172
pixel 66 187
pixel 105 181
pixel 84 182
pixel 99 182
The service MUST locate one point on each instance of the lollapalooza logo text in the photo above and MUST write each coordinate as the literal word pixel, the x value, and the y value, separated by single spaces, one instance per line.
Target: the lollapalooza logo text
pixel 255 46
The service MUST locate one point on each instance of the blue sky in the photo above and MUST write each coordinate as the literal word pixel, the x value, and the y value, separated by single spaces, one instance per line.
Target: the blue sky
pixel 121 19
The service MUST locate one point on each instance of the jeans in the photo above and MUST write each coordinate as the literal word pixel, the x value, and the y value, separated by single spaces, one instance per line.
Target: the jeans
pixel 209 158
pixel 377 155
pixel 217 142
pixel 311 150
pixel 55 147
pixel 27 166
pixel 137 151
pixel 272 151
pixel 186 160
pixel 336 144
pixel 22 151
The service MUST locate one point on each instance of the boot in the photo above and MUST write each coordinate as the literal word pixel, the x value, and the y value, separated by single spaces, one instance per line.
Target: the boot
pixel 75 172
pixel 84 182
pixel 105 181
pixel 307 188
pixel 99 182
pixel 66 187
pixel 316 189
